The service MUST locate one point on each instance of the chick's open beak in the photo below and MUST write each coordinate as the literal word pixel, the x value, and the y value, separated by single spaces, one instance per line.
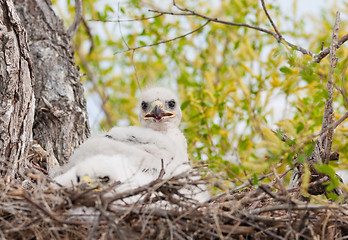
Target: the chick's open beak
pixel 157 112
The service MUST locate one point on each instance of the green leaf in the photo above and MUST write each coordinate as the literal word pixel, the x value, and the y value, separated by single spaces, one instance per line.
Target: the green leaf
pixel 185 104
pixel 300 127
pixel 332 196
pixel 255 179
pixel 285 70
pixel 301 158
pixel 326 169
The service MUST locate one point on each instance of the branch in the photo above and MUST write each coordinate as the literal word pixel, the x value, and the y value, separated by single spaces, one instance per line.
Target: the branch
pixel 128 20
pixel 328 112
pixel 165 41
pixel 291 207
pixel 279 35
pixel 77 19
pixel 333 126
pixel 26 196
pixel 193 13
pixel 318 57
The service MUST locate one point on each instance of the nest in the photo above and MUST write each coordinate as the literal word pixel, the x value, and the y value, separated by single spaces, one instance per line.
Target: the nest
pixel 40 211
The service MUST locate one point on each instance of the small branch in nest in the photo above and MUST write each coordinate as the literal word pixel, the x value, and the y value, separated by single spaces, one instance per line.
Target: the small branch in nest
pixel 319 181
pixel 47 213
pixel 154 185
pixel 162 172
pixel 291 207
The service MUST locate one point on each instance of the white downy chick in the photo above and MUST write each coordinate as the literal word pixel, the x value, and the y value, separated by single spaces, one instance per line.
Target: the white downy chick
pixel 134 155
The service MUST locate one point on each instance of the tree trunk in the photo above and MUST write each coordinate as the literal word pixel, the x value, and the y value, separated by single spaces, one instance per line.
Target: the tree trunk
pixel 16 92
pixel 61 122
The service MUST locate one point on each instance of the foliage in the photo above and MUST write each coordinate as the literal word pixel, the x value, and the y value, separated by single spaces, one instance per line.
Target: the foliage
pixel 236 84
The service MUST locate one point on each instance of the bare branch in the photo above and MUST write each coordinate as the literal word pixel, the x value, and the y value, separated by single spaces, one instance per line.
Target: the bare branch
pixel 333 125
pixel 165 41
pixel 119 25
pixel 292 207
pixel 318 57
pixel 279 35
pixel 216 20
pixel 299 48
pixel 77 19
pixel 89 34
pixel 128 20
pixel 328 112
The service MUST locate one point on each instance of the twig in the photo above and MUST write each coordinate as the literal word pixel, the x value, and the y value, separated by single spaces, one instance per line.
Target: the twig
pixel 267 191
pixel 276 34
pixel 154 185
pixel 165 41
pixel 119 26
pixel 162 172
pixel 318 57
pixel 319 181
pixel 128 20
pixel 279 35
pixel 216 20
pixel 94 228
pixel 291 207
pixel 332 125
pixel 328 112
pixel 278 180
pixel 135 70
pixel 27 197
pixel 77 19
pixel 89 34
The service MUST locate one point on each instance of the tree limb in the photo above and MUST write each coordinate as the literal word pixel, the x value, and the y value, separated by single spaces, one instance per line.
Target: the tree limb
pixel 216 20
pixel 328 112
pixel 77 19
pixel 318 57
pixel 333 126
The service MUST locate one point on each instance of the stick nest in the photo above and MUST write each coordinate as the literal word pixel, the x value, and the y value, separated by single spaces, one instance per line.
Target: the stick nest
pixel 36 210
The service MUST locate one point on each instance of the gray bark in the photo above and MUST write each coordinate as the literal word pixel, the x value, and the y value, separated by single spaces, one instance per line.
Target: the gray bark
pixel 61 122
pixel 16 92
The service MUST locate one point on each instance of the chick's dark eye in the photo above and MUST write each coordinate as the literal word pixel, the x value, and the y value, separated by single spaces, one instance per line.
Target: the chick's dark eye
pixel 104 179
pixel 144 105
pixel 171 103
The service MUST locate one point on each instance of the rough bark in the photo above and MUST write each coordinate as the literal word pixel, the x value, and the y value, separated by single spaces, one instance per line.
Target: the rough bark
pixel 16 92
pixel 61 122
